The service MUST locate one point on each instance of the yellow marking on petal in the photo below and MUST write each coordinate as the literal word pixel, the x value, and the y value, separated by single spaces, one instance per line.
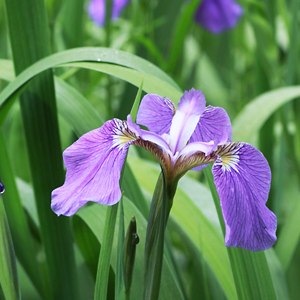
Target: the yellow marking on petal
pixel 122 135
pixel 229 156
pixel 230 161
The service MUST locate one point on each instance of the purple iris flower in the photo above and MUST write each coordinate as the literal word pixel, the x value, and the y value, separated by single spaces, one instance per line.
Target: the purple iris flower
pixel 96 10
pixel 218 15
pixel 182 139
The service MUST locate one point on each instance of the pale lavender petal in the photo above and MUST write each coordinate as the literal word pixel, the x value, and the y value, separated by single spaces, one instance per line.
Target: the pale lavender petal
pixel 218 15
pixel 156 113
pixel 94 163
pixel 190 108
pixel 96 10
pixel 242 177
pixel 191 148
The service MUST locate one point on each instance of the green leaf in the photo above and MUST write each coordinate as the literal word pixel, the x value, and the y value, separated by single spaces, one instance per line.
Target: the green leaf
pixel 151 84
pixel 289 237
pixel 254 115
pixel 30 41
pixel 94 215
pixel 136 103
pixel 23 241
pixel 105 253
pixel 8 275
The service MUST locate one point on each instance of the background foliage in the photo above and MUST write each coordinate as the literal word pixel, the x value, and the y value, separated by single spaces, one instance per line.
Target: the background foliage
pixel 251 71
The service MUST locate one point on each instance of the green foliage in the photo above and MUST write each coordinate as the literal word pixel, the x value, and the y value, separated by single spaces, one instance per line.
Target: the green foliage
pixel 154 47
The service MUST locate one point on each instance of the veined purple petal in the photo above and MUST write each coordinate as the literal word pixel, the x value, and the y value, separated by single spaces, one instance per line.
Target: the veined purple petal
pixel 214 124
pixel 242 177
pixel 156 113
pixel 96 10
pixel 218 15
pixel 94 163
pixel 190 108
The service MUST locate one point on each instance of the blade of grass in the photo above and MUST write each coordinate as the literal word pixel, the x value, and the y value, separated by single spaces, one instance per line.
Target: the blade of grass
pixel 119 294
pixel 105 253
pixel 30 42
pixel 8 275
pixel 20 232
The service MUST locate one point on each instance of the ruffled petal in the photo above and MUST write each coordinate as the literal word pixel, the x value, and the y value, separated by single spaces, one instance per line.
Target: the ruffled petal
pixel 156 113
pixel 218 15
pixel 242 177
pixel 94 163
pixel 190 108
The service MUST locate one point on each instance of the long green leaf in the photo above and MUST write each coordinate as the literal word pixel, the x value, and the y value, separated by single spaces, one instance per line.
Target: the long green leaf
pixel 253 116
pixel 21 235
pixel 105 253
pixel 8 275
pixel 30 41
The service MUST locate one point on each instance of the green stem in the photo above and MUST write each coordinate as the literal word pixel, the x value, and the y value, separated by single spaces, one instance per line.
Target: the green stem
pixel 154 248
pixel 105 253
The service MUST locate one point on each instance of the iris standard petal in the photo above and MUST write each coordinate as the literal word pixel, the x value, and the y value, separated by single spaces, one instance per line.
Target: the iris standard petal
pixel 242 177
pixel 214 124
pixel 156 113
pixel 191 106
pixel 218 15
pixel 94 163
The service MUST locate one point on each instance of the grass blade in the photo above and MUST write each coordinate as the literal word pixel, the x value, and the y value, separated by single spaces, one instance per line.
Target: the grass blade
pixel 30 42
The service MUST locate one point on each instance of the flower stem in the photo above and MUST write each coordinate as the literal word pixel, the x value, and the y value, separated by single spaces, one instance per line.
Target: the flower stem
pixel 154 248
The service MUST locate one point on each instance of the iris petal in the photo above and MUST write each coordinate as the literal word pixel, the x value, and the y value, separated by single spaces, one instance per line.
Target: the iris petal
pixel 190 108
pixel 242 177
pixel 214 124
pixel 94 163
pixel 156 113
pixel 218 15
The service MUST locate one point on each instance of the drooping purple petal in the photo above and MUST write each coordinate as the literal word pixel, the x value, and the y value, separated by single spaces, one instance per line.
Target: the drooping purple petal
pixel 96 10
pixel 191 106
pixel 218 15
pixel 94 163
pixel 156 113
pixel 242 177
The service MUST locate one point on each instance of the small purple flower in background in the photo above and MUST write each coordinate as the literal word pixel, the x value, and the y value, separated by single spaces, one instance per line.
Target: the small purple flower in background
pixel 96 10
pixel 2 188
pixel 218 15
pixel 182 139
